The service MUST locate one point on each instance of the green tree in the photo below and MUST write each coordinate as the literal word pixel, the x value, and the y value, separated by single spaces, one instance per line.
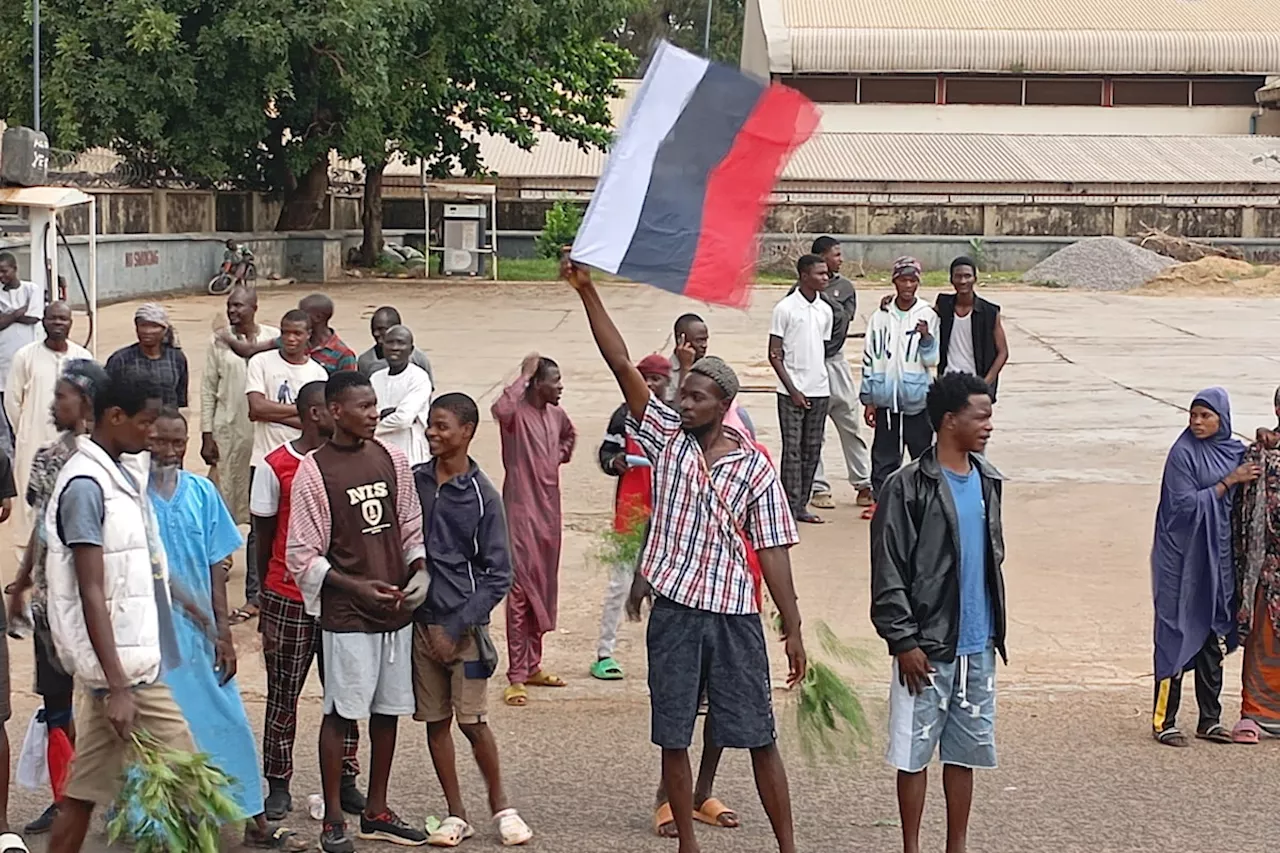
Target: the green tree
pixel 263 93
pixel 684 23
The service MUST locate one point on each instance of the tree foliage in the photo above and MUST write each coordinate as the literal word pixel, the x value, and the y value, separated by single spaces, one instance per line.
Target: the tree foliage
pixel 263 92
pixel 684 23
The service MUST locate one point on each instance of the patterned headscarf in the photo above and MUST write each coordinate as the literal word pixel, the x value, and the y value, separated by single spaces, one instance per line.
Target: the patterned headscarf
pixel 86 375
pixel 152 312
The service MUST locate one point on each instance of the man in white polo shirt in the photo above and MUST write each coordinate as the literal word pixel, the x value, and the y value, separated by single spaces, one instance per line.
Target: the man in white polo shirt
pixel 798 333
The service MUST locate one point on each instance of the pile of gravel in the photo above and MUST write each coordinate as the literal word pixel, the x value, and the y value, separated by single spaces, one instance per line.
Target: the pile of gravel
pixel 1099 263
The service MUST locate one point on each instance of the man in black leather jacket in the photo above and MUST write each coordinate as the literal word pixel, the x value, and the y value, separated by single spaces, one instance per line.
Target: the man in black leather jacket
pixel 937 599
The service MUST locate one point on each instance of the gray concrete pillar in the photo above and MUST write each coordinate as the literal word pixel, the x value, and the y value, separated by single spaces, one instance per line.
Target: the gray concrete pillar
pixel 1248 222
pixel 1120 221
pixel 990 220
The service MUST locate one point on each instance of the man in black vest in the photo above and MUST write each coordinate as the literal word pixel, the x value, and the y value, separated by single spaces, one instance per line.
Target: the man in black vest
pixel 972 336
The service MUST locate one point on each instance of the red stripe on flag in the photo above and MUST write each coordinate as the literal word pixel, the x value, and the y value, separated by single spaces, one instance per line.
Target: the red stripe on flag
pixel 738 191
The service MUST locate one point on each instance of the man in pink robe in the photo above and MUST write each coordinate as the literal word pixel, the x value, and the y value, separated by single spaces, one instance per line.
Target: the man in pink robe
pixel 537 438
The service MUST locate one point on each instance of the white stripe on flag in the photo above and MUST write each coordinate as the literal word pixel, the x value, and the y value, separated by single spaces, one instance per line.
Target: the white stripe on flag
pixel 611 218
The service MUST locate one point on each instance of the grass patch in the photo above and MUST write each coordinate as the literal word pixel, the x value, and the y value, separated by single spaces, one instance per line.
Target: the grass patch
pixel 548 269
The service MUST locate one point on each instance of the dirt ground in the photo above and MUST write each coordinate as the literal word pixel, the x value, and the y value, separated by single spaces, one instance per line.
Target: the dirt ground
pixel 1089 405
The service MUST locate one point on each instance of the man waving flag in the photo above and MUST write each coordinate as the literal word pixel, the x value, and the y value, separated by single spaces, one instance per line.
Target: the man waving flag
pixel 683 193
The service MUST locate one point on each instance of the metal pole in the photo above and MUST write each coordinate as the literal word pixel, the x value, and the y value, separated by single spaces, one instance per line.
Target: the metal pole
pixel 35 66
pixel 92 307
pixel 706 34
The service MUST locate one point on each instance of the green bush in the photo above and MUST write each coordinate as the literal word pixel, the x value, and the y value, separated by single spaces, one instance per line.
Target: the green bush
pixel 558 229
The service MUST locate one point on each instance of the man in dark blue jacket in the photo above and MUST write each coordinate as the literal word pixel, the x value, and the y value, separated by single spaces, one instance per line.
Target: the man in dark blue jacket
pixel 469 561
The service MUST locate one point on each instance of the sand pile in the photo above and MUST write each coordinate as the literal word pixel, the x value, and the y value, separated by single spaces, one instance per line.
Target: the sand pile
pixel 1099 263
pixel 1206 272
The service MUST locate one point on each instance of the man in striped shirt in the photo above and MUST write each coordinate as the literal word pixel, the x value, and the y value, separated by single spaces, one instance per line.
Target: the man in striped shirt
pixel 720 527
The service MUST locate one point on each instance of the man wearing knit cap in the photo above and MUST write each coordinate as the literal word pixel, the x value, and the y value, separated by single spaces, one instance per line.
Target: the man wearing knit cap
pixel 898 358
pixel 620 456
pixel 720 528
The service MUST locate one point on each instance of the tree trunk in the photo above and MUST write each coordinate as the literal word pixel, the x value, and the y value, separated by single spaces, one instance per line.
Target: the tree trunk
pixel 371 214
pixel 303 205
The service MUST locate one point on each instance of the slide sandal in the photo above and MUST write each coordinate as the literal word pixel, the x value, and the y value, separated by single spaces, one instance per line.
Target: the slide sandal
pixel 606 669
pixel 516 696
pixel 662 818
pixel 1246 732
pixel 545 679
pixel 1217 733
pixel 715 813
pixel 869 513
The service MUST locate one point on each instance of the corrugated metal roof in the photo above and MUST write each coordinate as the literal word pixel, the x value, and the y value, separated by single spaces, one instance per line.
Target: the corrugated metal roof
pixel 883 158
pixel 1031 36
pixel 1013 159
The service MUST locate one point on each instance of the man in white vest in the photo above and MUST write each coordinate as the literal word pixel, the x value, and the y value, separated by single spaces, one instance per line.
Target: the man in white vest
pixel 109 608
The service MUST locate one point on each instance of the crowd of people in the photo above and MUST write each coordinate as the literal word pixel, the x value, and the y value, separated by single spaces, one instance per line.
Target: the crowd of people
pixel 378 549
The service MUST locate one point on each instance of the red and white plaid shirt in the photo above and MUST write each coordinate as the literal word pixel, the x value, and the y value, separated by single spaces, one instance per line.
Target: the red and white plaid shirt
pixel 694 555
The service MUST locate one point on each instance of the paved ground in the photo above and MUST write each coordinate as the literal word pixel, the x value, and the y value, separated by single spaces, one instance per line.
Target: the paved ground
pixel 1090 403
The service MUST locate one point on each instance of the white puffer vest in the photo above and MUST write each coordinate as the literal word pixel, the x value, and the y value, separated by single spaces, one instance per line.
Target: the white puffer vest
pixel 129 568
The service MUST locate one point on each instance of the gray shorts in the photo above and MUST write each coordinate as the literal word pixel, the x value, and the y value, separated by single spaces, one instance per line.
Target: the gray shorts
pixel 693 653
pixel 955 715
pixel 368 674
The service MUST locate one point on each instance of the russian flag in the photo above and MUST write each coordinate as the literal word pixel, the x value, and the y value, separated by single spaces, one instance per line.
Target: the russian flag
pixel 684 190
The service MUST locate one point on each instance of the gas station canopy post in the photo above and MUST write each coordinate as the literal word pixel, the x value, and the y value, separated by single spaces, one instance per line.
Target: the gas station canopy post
pixel 42 205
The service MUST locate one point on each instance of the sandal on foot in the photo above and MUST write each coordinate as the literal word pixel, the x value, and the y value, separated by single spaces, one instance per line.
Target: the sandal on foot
pixel 869 513
pixel 451 832
pixel 864 497
pixel 712 812
pixel 276 839
pixel 516 696
pixel 662 818
pixel 1171 737
pixel 243 614
pixel 809 518
pixel 545 679
pixel 1246 732
pixel 606 669
pixel 512 828
pixel 1216 733
pixel 822 500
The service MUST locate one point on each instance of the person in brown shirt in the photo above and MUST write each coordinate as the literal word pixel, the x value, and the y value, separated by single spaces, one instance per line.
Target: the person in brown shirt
pixel 355 549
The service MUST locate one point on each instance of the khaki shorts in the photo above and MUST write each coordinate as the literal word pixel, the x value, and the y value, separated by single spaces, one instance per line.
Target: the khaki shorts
pixel 97 772
pixel 442 690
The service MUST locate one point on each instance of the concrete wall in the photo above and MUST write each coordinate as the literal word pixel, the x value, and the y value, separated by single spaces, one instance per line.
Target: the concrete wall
pixel 979 118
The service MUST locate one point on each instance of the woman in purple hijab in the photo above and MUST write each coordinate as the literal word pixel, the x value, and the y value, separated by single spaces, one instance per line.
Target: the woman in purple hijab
pixel 1192 570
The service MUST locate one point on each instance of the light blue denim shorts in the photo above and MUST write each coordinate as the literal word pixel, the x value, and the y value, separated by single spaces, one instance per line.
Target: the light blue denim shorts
pixel 954 715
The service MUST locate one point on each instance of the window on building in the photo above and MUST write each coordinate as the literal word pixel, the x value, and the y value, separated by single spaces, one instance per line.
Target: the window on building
pixel 1067 92
pixel 1150 93
pixel 1227 92
pixel 898 90
pixel 983 90
pixel 826 90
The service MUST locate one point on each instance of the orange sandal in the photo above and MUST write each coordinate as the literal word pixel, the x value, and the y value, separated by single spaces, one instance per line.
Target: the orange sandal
pixel 711 812
pixel 662 817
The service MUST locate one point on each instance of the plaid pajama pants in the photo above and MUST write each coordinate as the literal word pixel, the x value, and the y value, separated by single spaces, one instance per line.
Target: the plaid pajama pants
pixel 288 664
pixel 802 431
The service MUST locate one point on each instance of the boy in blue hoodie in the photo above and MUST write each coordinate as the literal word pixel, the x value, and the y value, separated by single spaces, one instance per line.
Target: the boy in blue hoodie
pixel 469 562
